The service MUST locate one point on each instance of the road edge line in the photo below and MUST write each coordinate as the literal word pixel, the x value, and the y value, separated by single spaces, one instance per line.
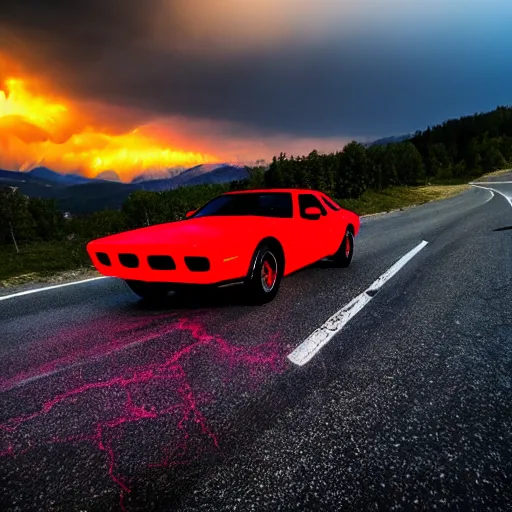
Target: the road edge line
pixel 53 287
pixel 493 190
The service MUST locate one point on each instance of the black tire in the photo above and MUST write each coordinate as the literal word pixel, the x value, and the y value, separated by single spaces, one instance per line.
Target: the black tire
pixel 265 275
pixel 149 291
pixel 343 255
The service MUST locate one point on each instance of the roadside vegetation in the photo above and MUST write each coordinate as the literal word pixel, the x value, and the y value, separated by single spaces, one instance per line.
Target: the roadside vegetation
pixel 37 240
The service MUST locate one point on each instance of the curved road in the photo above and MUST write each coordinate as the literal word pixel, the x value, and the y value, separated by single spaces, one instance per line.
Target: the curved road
pixel 107 403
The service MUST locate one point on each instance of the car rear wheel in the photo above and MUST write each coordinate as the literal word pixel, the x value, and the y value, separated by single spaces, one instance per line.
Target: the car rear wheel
pixel 147 290
pixel 265 277
pixel 343 255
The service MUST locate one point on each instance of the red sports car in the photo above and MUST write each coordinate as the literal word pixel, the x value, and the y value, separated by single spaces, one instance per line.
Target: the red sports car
pixel 250 237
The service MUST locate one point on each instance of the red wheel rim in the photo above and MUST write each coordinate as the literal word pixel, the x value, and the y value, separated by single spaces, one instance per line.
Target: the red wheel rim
pixel 268 272
pixel 347 245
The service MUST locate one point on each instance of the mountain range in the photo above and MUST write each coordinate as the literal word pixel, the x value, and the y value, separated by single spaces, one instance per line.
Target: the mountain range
pixel 79 194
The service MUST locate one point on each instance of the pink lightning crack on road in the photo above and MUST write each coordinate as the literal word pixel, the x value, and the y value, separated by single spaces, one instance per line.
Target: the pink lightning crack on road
pixel 139 399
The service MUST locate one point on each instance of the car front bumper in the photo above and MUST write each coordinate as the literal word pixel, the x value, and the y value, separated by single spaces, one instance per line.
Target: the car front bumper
pixel 164 263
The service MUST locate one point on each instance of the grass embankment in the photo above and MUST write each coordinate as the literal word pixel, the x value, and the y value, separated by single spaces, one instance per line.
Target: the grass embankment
pixel 400 197
pixel 493 174
pixel 41 261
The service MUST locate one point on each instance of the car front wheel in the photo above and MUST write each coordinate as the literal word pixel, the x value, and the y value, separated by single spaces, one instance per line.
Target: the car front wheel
pixel 263 282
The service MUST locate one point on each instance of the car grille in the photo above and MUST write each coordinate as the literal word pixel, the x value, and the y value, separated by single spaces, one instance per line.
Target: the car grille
pixel 156 261
pixel 161 263
pixel 129 260
pixel 197 263
pixel 103 258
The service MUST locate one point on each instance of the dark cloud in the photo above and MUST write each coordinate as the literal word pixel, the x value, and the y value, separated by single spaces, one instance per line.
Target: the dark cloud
pixel 358 82
pixel 66 41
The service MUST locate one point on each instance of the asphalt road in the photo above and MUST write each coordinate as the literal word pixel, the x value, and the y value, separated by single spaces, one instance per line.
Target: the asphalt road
pixel 109 403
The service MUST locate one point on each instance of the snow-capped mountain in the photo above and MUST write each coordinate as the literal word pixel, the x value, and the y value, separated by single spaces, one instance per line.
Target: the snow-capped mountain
pixel 108 176
pixel 200 174
pixel 158 175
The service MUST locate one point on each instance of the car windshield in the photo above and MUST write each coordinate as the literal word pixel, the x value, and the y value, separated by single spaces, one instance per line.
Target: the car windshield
pixel 275 204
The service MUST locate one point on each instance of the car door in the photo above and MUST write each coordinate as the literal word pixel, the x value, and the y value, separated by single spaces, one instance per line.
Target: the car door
pixel 315 231
pixel 337 220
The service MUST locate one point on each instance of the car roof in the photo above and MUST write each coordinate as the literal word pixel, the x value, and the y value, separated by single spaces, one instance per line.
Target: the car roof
pixel 267 190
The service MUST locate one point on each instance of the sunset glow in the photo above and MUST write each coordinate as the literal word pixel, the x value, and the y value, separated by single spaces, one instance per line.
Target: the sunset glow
pixel 37 129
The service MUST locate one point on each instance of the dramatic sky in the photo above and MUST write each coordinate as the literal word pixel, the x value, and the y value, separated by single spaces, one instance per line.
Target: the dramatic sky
pixel 216 80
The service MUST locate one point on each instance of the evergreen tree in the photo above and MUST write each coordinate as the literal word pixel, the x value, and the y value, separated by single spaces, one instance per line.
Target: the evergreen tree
pixel 409 164
pixel 48 220
pixel 353 171
pixel 17 224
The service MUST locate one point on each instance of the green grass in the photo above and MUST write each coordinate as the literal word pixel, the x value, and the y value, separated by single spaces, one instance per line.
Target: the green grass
pixel 42 259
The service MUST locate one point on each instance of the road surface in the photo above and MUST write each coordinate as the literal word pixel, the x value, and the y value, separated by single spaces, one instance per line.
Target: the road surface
pixel 107 403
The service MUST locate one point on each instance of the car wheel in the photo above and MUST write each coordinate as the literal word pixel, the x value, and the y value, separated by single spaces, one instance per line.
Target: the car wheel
pixel 343 255
pixel 265 276
pixel 147 290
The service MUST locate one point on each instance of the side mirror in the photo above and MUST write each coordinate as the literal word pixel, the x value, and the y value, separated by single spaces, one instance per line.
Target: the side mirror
pixel 190 213
pixel 313 212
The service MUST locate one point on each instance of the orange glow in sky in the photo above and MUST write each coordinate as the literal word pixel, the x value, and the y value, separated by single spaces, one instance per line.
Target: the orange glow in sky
pixel 36 129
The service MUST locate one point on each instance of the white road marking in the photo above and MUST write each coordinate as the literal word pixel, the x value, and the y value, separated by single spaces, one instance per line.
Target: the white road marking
pixel 492 190
pixel 488 190
pixel 319 338
pixel 36 290
pixel 485 183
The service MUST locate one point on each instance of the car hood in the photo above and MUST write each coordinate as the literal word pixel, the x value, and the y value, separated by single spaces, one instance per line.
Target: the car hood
pixel 193 231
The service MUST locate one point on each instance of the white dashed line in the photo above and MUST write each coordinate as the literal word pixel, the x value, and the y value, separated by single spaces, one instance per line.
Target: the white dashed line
pixel 319 338
pixel 36 290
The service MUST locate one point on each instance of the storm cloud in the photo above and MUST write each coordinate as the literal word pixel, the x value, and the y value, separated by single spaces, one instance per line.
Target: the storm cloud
pixel 305 69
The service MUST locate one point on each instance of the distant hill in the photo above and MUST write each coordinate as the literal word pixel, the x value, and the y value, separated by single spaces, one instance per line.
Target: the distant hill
pixel 30 184
pixel 18 175
pixel 85 197
pixel 390 140
pixel 47 174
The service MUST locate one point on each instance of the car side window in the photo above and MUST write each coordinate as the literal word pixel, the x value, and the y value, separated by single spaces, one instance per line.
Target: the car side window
pixel 331 204
pixel 276 205
pixel 308 200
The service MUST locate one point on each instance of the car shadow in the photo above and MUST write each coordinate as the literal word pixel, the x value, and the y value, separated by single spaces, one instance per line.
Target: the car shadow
pixel 209 298
pixel 322 264
pixel 196 299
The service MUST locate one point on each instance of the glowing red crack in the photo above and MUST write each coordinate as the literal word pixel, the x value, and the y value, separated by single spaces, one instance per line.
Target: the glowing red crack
pixel 170 370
